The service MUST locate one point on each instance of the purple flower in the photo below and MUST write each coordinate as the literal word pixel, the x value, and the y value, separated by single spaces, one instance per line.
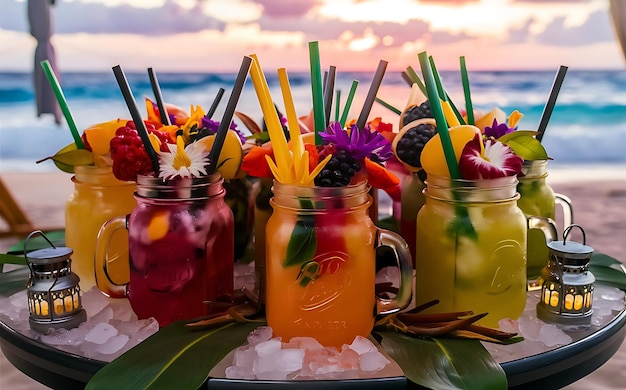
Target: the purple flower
pixel 212 127
pixel 497 130
pixel 359 143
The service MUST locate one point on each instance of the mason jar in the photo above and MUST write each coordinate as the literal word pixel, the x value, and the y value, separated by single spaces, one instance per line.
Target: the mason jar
pixel 181 245
pixel 471 248
pixel 98 196
pixel 321 264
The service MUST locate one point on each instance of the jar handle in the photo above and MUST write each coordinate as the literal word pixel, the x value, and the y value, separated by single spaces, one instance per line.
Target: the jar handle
pixel 403 258
pixel 101 258
pixel 547 225
pixel 568 210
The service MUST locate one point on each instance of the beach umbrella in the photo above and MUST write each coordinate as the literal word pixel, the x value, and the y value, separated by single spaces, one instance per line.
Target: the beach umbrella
pixel 41 28
pixel 618 13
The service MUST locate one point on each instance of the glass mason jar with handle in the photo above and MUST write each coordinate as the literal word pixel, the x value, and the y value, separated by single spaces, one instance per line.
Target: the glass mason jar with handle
pixel 98 196
pixel 181 244
pixel 321 264
pixel 538 202
pixel 471 248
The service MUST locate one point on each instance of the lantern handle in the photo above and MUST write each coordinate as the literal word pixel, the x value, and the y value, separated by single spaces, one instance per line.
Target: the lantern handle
pixel 31 235
pixel 567 230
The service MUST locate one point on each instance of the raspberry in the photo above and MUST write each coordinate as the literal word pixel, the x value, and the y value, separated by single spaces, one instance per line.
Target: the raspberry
pixel 338 171
pixel 129 155
pixel 410 146
pixel 417 112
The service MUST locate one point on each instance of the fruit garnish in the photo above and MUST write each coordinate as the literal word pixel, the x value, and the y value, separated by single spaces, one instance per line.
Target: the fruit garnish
pixel 493 160
pixel 487 119
pixel 254 163
pixel 524 144
pixel 129 155
pixel 410 141
pixel 99 135
pixel 231 156
pixel 433 158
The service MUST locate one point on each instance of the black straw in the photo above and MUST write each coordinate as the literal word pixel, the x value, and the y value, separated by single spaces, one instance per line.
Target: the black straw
pixel 215 103
pixel 134 113
pixel 165 119
pixel 554 93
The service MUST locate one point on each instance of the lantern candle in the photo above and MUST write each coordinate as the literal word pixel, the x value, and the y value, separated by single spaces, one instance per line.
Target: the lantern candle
pixel 53 290
pixel 567 287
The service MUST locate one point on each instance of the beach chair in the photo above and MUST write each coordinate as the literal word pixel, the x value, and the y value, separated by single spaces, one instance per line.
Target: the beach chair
pixel 10 211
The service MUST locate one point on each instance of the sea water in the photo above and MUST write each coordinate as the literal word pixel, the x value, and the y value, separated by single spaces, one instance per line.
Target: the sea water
pixel 587 127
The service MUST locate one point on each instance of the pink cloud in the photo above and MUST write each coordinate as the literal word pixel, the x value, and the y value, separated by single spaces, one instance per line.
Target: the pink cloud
pixel 287 9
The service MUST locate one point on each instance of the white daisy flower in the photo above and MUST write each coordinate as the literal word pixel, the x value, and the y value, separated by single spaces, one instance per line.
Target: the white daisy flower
pixel 183 161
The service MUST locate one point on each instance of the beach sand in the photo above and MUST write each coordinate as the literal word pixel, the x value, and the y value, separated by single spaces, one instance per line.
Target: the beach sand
pixel 598 196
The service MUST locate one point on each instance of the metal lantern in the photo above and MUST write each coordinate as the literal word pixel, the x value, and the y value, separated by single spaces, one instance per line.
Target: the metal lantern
pixel 53 291
pixel 567 288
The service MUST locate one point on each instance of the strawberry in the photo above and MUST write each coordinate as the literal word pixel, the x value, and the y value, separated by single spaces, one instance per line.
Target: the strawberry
pixel 497 160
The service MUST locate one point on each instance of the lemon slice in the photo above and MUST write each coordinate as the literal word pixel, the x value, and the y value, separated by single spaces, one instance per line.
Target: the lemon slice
pixel 99 135
pixel 231 156
pixel 433 158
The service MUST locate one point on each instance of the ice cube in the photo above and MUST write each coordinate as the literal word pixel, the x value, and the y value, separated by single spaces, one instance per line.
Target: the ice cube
pixel 285 360
pixel 529 327
pixel 245 357
pixel 307 343
pixel 93 301
pixel 19 300
pixel 259 335
pixel 362 345
pixel 101 333
pixel 234 372
pixel 372 361
pixel 551 335
pixel 267 347
pixel 113 344
pixel 508 325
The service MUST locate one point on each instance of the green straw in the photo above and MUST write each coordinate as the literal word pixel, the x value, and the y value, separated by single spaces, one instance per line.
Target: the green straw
pixel 442 92
pixel 388 106
pixel 58 92
pixel 435 107
pixel 415 78
pixel 466 91
pixel 337 103
pixel 346 108
pixel 316 89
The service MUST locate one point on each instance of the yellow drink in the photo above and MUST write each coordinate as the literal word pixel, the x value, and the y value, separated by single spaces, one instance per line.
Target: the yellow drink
pixel 98 196
pixel 321 264
pixel 474 263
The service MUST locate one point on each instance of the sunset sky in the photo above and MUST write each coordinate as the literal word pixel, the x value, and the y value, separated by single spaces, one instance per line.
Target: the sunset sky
pixel 213 35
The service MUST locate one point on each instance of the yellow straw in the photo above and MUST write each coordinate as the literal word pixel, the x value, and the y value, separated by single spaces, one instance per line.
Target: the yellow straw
pixel 292 121
pixel 274 128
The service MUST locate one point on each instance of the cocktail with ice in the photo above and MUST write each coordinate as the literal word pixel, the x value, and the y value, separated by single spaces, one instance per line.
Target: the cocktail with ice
pixel 181 240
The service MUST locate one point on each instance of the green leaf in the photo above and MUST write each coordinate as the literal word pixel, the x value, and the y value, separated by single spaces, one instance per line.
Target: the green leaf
pixel 173 358
pixel 72 158
pixel 605 270
pixel 602 260
pixel 38 242
pixel 525 146
pixel 444 363
pixel 13 281
pixel 518 133
pixel 12 259
pixel 302 243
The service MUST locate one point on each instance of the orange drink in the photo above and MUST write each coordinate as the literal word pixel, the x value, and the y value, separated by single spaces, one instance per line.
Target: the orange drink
pixel 98 196
pixel 321 264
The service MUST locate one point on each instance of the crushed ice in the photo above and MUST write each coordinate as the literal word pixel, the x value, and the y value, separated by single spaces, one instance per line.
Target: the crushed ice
pixel 111 329
pixel 302 358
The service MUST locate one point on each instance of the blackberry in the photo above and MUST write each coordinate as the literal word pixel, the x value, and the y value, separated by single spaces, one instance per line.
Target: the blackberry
pixel 410 146
pixel 338 171
pixel 417 112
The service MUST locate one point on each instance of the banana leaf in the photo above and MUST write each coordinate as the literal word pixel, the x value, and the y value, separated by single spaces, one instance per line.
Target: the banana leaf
pixel 13 281
pixel 606 271
pixel 173 358
pixel 57 237
pixel 444 363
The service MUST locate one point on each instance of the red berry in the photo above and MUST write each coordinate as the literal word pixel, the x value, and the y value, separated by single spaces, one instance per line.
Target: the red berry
pixel 129 155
